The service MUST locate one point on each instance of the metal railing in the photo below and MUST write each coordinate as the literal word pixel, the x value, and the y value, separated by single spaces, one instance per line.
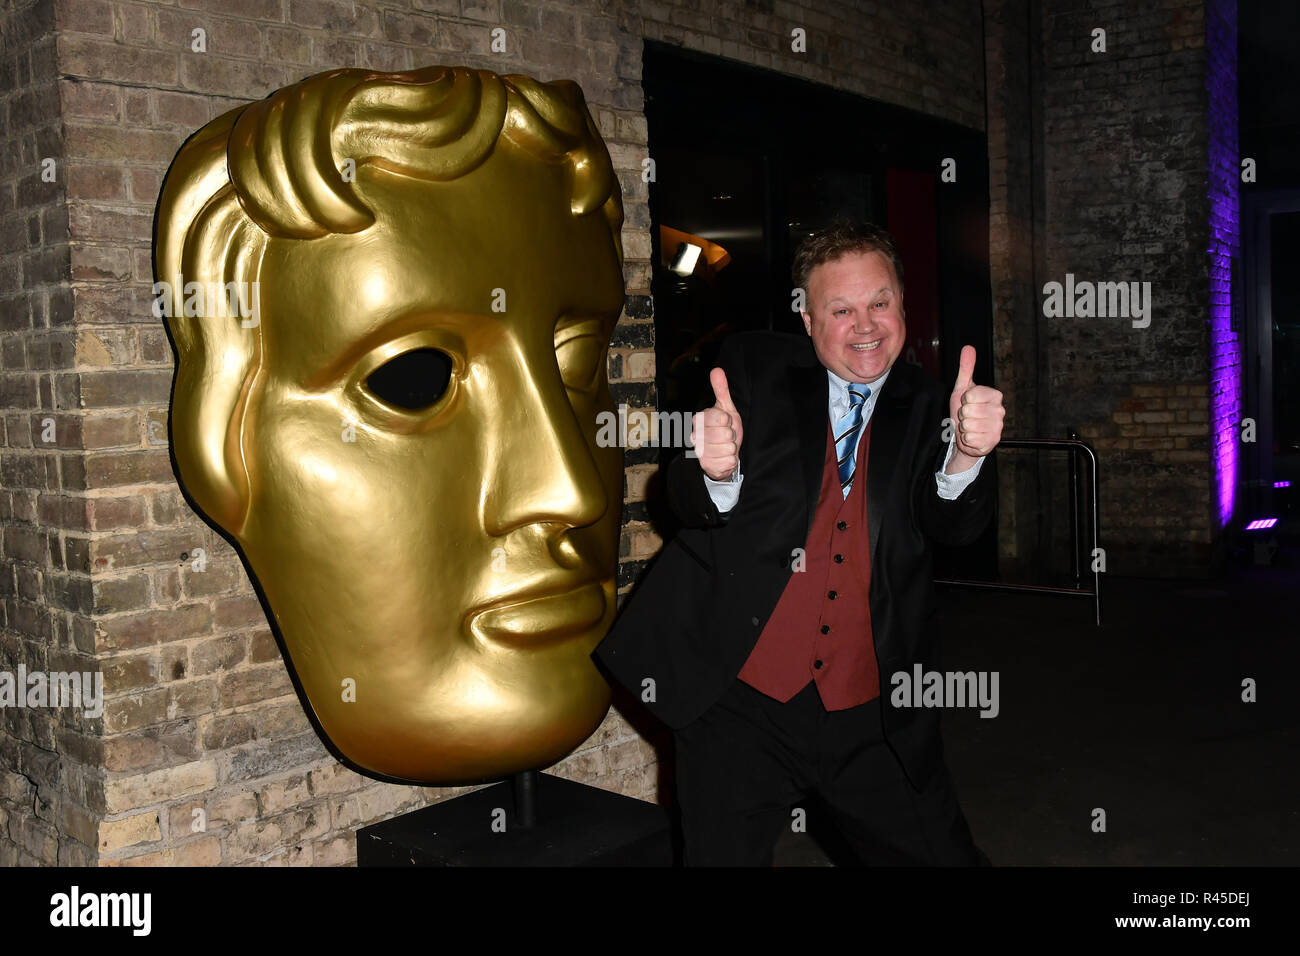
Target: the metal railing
pixel 1074 446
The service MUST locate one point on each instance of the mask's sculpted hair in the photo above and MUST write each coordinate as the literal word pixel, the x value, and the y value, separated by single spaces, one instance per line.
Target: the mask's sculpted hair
pixel 283 156
pixel 274 170
pixel 436 123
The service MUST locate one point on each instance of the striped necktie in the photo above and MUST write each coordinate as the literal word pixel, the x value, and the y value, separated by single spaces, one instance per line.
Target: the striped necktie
pixel 848 429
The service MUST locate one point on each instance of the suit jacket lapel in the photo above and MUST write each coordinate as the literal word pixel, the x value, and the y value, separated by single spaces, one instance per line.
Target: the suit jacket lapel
pixel 812 392
pixel 888 429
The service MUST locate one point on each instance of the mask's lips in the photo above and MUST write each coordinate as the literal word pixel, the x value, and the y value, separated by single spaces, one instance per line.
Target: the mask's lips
pixel 541 615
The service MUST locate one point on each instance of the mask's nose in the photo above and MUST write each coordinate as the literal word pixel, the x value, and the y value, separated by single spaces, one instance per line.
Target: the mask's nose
pixel 538 464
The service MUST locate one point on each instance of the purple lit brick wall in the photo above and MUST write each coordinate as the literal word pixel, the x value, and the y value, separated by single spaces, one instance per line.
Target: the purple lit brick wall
pixel 1225 244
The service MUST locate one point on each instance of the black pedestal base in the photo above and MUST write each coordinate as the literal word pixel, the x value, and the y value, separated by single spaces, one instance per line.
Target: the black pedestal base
pixel 577 825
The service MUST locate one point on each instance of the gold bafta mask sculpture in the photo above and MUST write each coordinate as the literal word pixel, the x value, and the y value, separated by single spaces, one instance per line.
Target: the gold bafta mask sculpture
pixel 391 297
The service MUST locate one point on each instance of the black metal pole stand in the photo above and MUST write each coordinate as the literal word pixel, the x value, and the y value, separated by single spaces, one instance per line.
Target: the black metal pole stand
pixel 525 789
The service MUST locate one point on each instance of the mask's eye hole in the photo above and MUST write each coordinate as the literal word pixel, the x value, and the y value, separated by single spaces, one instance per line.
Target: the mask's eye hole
pixel 413 380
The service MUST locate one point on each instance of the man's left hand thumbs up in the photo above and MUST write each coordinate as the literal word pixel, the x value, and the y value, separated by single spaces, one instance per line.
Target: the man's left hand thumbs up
pixel 976 412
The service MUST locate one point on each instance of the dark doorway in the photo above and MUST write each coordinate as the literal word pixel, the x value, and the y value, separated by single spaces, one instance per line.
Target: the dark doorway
pixel 1285 333
pixel 1270 465
pixel 1269 131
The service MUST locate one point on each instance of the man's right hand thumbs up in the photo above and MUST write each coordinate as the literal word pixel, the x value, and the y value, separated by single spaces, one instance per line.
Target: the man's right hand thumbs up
pixel 717 432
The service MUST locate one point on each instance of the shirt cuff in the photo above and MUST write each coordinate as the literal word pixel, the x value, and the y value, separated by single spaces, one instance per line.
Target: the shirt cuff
pixel 950 486
pixel 725 494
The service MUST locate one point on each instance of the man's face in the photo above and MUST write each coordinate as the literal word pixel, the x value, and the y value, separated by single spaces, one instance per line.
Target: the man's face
pixel 855 315
pixel 454 562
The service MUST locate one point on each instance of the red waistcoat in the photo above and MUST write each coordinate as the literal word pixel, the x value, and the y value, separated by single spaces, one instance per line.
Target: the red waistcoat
pixel 821 628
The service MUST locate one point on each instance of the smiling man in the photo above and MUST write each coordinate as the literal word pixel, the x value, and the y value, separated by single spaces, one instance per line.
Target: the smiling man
pixel 767 630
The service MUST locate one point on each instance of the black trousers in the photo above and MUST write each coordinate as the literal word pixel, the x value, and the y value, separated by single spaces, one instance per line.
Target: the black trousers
pixel 746 763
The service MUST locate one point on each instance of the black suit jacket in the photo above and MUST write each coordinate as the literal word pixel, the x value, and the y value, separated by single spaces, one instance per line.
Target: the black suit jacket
pixel 696 615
